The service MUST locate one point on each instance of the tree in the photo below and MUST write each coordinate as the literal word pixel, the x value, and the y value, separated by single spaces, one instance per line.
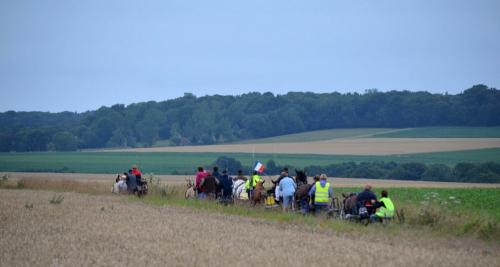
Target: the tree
pixel 65 141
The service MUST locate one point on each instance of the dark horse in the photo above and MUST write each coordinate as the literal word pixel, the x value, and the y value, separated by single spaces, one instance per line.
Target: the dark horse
pixel 302 192
pixel 300 178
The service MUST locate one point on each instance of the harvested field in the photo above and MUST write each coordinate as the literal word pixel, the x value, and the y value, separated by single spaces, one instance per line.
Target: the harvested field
pixel 359 146
pixel 180 179
pixel 102 230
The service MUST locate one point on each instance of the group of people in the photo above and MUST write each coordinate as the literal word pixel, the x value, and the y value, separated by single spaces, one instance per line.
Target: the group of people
pixel 128 182
pixel 317 198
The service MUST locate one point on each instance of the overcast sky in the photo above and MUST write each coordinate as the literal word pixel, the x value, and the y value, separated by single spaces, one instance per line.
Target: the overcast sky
pixel 80 55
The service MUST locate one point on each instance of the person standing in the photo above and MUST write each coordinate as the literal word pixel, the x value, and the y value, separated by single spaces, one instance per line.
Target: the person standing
pixel 131 182
pixel 200 176
pixel 138 175
pixel 217 175
pixel 322 193
pixel 226 183
pixel 287 188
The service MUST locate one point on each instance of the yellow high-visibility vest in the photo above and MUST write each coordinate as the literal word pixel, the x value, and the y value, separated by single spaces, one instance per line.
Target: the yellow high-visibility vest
pixel 321 194
pixel 388 210
pixel 252 182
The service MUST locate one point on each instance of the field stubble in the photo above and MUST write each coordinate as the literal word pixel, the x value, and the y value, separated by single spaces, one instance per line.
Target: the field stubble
pixel 106 230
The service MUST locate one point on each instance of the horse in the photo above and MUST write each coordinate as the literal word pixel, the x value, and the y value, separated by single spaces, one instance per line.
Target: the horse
pixel 190 192
pixel 239 189
pixel 349 203
pixel 302 196
pixel 259 193
pixel 300 178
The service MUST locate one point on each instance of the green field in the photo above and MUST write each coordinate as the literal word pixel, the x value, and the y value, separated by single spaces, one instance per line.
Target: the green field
pixel 185 163
pixel 444 132
pixel 320 135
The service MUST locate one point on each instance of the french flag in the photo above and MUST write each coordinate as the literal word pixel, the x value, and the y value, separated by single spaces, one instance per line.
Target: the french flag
pixel 259 167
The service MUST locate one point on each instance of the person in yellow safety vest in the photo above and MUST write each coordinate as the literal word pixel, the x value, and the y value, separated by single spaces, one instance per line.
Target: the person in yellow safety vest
pixel 251 183
pixel 385 208
pixel 322 192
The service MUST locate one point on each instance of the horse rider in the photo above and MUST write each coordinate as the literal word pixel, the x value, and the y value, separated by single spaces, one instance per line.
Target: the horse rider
pixel 385 208
pixel 251 183
pixel 322 192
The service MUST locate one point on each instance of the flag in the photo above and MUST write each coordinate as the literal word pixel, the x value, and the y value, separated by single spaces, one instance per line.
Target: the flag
pixel 259 167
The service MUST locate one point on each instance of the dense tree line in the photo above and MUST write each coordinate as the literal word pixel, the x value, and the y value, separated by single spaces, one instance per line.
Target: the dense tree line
pixel 218 119
pixel 488 172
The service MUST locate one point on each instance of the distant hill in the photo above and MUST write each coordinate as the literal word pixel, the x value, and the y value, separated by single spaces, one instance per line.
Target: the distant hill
pixel 191 120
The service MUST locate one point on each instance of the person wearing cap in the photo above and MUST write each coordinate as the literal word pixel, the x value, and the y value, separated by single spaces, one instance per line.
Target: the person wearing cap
pixel 322 193
pixel 287 188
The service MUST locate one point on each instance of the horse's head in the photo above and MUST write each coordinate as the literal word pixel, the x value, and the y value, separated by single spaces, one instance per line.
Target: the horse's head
pixel 259 185
pixel 189 182
pixel 300 176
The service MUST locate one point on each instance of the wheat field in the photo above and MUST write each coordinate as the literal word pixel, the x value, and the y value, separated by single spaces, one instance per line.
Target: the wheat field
pixel 111 230
pixel 355 146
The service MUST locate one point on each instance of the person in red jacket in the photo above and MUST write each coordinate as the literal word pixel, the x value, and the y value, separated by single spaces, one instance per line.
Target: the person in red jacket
pixel 200 175
pixel 138 174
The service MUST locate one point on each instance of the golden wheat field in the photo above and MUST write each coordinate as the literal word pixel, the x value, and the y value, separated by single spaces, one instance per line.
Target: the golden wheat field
pixel 113 231
pixel 348 146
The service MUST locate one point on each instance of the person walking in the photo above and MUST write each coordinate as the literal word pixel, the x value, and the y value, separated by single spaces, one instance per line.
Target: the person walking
pixel 226 183
pixel 200 176
pixel 287 187
pixel 322 193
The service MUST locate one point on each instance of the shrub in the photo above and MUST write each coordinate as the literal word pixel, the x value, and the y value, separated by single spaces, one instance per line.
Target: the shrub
pixel 56 199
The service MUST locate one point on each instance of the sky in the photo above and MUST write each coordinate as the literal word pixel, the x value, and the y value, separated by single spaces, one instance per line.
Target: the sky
pixel 67 55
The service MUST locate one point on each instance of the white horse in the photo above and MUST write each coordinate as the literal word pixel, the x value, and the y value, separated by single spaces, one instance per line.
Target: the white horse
pixel 190 192
pixel 239 191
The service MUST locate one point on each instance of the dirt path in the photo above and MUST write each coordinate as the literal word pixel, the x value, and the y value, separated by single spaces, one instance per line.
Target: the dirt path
pixel 348 146
pixel 112 231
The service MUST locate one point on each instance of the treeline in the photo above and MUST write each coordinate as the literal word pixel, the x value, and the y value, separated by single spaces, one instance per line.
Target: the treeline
pixel 218 119
pixel 488 172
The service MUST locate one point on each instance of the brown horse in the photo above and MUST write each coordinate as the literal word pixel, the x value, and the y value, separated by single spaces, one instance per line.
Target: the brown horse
pixel 349 203
pixel 259 193
pixel 300 177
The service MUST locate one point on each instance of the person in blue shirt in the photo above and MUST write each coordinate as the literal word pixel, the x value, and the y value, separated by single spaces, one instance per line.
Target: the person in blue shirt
pixel 322 193
pixel 226 183
pixel 287 188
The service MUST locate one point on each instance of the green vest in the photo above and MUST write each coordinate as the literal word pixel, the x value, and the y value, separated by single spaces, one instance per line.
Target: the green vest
pixel 388 211
pixel 321 194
